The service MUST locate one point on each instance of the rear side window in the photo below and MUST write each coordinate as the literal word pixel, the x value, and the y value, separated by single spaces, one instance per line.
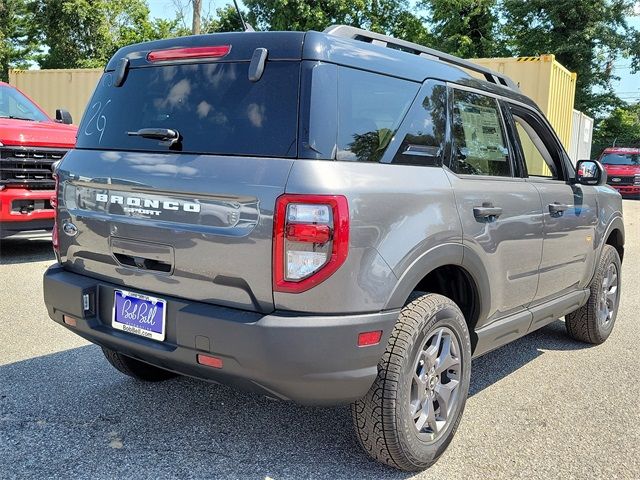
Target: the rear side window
pixel 214 107
pixel 370 109
pixel 480 146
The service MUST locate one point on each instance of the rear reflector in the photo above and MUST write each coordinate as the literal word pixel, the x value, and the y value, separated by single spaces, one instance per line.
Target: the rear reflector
pixel 369 338
pixel 188 53
pixel 214 362
pixel 72 322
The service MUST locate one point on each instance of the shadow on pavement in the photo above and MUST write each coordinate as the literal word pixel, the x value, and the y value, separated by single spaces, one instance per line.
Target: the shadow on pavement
pixel 25 248
pixel 70 415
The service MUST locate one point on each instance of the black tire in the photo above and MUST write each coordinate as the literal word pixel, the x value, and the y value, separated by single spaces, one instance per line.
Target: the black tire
pixel 135 368
pixel 586 323
pixel 384 422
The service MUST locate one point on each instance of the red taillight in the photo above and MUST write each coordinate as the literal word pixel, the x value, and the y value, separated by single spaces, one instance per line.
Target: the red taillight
pixel 188 53
pixel 369 338
pixel 54 204
pixel 311 240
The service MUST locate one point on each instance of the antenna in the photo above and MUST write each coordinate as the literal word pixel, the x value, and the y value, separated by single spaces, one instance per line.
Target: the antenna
pixel 245 26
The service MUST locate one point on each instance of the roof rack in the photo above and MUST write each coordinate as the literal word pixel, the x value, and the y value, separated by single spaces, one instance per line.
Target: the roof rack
pixel 346 31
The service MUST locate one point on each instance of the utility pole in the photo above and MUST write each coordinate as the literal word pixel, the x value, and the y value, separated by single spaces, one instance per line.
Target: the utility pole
pixel 197 9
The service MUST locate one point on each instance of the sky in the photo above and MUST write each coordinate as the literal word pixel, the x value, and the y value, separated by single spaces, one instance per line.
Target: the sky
pixel 627 88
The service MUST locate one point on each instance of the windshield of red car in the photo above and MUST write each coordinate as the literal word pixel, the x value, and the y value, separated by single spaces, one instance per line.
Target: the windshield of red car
pixel 621 159
pixel 15 105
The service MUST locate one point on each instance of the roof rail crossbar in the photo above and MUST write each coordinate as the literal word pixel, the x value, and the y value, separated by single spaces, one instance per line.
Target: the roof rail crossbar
pixel 346 31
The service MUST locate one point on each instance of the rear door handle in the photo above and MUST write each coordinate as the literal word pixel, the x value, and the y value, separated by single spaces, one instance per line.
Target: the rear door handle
pixel 557 209
pixel 487 211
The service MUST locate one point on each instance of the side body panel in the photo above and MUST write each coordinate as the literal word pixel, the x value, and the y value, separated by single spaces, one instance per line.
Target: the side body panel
pixel 510 247
pixel 397 213
pixel 570 249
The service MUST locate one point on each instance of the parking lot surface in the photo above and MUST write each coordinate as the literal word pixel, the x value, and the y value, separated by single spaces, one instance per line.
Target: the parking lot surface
pixel 542 407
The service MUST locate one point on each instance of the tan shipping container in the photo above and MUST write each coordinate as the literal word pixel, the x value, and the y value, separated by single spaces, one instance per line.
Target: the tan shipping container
pixel 70 89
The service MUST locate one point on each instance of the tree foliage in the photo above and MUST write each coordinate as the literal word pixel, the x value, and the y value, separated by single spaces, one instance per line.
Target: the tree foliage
pixel 621 127
pixel 466 28
pixel 16 38
pixel 86 33
pixel 586 36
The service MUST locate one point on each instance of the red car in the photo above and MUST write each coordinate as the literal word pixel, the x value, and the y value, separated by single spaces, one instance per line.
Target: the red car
pixel 623 169
pixel 30 141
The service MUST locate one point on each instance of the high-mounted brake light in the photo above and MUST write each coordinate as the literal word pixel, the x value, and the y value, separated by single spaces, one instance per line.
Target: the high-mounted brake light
pixel 311 240
pixel 218 51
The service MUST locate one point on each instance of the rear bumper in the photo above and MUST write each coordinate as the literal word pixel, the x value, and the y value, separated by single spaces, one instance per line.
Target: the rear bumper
pixel 312 360
pixel 22 209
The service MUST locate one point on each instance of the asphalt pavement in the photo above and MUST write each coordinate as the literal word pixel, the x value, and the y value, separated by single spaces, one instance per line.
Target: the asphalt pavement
pixel 542 407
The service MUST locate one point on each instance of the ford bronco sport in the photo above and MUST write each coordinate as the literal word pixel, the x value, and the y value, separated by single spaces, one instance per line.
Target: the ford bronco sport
pixel 30 142
pixel 328 218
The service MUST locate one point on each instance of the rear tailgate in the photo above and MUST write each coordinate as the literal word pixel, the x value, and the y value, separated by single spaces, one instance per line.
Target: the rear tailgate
pixel 191 218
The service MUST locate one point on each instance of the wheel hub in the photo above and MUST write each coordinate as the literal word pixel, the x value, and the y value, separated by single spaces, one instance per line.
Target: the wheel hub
pixel 434 386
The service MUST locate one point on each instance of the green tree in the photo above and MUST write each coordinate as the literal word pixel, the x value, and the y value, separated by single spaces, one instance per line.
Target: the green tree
pixel 586 36
pixel 83 33
pixel 16 39
pixel 384 16
pixel 466 28
pixel 621 127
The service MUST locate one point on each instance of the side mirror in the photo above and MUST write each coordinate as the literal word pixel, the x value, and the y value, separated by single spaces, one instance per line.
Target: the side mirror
pixel 63 116
pixel 590 172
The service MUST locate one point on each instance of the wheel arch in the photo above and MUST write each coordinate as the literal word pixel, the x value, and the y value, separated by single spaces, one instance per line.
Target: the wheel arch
pixel 453 271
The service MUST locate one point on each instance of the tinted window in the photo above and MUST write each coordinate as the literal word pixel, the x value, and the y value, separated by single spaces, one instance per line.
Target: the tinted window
pixel 214 107
pixel 536 155
pixel 423 142
pixel 621 159
pixel 370 109
pixel 480 147
pixel 14 104
pixel 542 153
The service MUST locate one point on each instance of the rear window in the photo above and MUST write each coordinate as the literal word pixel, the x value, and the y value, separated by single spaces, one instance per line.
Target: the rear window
pixel 621 159
pixel 214 107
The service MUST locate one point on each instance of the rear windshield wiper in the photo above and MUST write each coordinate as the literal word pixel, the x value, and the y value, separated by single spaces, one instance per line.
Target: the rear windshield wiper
pixel 14 117
pixel 167 136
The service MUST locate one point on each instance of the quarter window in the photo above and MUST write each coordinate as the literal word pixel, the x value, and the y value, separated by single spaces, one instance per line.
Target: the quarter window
pixel 423 142
pixel 480 146
pixel 370 109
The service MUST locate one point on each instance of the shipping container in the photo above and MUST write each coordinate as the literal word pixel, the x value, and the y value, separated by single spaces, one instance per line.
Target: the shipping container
pixel 70 89
pixel 581 137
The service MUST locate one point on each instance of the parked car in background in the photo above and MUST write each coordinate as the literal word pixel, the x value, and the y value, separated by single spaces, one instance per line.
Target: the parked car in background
pixel 30 141
pixel 623 169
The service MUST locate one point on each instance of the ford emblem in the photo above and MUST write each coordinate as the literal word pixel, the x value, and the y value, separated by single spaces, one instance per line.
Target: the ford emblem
pixel 615 179
pixel 70 229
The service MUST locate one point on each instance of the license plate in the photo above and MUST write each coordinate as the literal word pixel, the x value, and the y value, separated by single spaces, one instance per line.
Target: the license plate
pixel 139 314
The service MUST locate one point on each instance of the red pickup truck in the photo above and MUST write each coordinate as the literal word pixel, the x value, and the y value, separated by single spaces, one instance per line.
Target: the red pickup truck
pixel 623 169
pixel 30 141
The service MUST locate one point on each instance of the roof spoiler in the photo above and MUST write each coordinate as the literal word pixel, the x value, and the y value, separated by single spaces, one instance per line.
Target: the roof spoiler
pixel 346 31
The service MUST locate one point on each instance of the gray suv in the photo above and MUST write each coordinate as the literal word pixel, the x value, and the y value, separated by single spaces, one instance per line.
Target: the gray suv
pixel 327 218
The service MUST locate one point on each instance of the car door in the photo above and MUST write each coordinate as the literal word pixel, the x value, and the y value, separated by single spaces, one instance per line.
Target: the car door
pixel 501 213
pixel 570 210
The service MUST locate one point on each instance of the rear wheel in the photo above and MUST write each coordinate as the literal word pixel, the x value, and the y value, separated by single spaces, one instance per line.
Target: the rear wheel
pixel 135 368
pixel 593 322
pixel 410 414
